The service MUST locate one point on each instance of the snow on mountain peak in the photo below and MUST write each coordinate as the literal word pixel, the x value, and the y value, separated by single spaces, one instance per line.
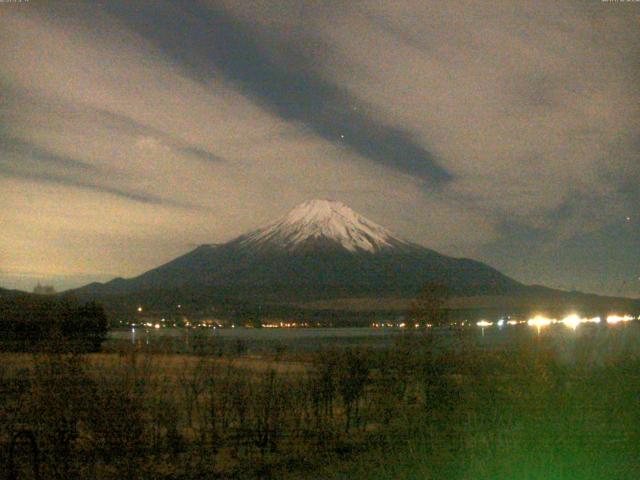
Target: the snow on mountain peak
pixel 324 220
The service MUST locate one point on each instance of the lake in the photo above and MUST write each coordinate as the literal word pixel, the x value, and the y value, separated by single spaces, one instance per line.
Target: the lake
pixel 599 339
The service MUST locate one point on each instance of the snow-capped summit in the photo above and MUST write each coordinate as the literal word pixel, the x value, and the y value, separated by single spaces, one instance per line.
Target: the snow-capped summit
pixel 323 221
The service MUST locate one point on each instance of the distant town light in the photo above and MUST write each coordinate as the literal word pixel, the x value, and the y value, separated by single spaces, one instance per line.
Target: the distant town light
pixel 540 321
pixel 572 321
pixel 613 319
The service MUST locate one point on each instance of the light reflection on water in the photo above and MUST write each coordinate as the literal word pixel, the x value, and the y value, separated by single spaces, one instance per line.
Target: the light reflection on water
pixel 485 334
pixel 258 333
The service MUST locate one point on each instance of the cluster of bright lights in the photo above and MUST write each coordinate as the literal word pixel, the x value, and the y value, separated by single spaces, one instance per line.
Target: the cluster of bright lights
pixel 398 325
pixel 539 321
pixel 286 325
pixel 571 321
pixel 612 319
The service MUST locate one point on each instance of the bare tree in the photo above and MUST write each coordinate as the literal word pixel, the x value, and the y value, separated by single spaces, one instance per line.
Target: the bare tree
pixel 428 308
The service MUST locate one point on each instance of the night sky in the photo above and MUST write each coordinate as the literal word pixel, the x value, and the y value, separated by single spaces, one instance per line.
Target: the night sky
pixel 509 132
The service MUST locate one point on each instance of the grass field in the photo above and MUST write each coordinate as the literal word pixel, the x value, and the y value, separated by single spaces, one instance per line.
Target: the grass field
pixel 530 408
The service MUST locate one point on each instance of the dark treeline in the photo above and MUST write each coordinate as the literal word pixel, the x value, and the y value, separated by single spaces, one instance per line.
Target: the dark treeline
pixel 37 323
pixel 410 411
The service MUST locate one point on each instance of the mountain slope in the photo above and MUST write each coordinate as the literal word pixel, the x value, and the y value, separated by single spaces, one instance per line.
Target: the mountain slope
pixel 319 246
pixel 5 293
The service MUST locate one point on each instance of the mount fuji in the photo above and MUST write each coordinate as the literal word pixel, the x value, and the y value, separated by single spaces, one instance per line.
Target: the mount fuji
pixel 319 249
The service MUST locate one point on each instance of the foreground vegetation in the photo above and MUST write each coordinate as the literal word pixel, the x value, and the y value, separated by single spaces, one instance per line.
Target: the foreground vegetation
pixel 414 410
pixel 37 322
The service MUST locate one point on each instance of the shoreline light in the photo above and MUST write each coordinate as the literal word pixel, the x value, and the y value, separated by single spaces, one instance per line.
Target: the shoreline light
pixel 613 319
pixel 540 321
pixel 572 321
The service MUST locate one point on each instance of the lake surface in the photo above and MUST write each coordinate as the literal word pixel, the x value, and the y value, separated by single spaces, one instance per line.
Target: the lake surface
pixel 596 340
pixel 259 333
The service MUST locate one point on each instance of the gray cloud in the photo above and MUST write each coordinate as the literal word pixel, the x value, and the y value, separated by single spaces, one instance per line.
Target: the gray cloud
pixel 38 156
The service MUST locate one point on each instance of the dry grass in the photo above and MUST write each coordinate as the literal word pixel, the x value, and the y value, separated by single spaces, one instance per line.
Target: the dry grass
pixel 168 364
pixel 401 412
